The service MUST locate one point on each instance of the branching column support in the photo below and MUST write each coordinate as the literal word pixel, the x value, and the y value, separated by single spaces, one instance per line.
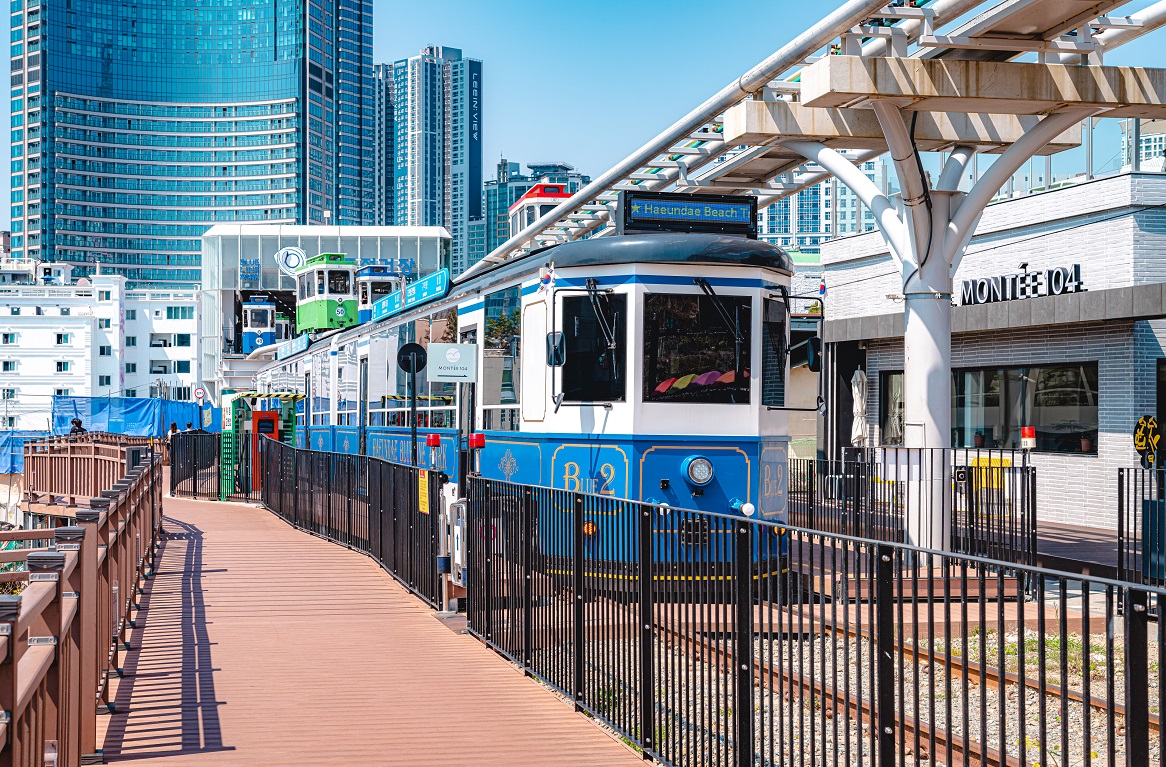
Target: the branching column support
pixel 927 233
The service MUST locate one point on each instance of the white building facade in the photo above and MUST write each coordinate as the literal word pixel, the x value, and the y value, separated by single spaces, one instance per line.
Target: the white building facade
pixel 89 338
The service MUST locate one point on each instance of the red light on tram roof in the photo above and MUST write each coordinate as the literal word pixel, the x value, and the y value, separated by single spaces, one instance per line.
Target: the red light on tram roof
pixel 433 440
pixel 477 440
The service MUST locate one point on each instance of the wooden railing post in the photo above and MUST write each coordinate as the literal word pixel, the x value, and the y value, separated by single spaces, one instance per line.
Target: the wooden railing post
pixel 89 649
pixel 9 612
pixel 69 543
pixel 44 572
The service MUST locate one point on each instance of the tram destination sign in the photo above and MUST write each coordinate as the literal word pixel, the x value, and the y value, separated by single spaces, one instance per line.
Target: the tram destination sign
pixel 1056 281
pixel 431 286
pixel 670 212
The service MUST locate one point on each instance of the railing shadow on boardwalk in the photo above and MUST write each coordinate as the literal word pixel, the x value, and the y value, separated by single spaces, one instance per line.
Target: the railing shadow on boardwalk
pixel 180 672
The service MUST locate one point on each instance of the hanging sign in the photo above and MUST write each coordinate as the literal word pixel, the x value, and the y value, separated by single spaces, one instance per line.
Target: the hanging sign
pixel 1011 287
pixel 1146 438
pixel 432 286
pixel 423 491
pixel 290 259
pixel 452 363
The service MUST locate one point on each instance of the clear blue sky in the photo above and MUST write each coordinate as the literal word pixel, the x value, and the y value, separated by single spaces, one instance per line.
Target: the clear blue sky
pixel 587 83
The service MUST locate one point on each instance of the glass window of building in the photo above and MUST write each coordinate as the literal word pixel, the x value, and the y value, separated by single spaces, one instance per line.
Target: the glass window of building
pixel 990 405
pixel 695 353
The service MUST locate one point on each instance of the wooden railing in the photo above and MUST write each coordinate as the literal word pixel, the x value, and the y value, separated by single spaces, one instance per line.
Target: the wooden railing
pixel 67 471
pixel 62 635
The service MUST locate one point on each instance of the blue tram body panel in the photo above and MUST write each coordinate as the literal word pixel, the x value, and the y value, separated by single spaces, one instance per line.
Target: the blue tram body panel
pixel 646 468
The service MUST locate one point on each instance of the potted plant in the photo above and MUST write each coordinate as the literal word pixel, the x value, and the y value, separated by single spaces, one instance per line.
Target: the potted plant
pixel 1086 443
pixel 978 438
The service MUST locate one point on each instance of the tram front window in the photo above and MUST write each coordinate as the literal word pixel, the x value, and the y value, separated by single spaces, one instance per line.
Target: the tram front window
pixel 260 318
pixel 595 368
pixel 695 350
pixel 338 281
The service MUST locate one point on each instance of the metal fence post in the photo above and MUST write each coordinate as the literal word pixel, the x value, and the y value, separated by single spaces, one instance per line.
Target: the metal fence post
pixel 1137 717
pixel 527 580
pixel 1121 525
pixel 885 659
pixel 647 635
pixel 489 530
pixel 577 582
pixel 743 652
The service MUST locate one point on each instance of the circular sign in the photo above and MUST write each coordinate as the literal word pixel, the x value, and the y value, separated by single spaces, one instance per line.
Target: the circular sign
pixel 339 311
pixel 452 355
pixel 289 259
pixel 411 358
pixel 199 393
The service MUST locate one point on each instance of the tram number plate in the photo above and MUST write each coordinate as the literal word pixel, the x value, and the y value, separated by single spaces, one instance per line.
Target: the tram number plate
pixel 694 532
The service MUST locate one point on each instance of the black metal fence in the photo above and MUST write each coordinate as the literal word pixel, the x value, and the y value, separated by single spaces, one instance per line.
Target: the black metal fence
pixel 990 497
pixel 706 639
pixel 194 465
pixel 1141 525
pixel 386 510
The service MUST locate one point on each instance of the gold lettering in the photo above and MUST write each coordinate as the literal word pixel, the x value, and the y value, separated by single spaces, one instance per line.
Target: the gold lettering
pixel 571 477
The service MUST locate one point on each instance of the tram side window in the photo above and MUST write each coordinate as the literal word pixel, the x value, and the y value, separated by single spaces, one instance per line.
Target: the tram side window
pixel 501 374
pixel 320 282
pixel 692 352
pixel 305 284
pixel 338 281
pixel 773 354
pixel 594 371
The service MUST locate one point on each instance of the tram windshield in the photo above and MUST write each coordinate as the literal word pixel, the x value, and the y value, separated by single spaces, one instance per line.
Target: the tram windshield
pixel 595 331
pixel 260 318
pixel 694 351
pixel 338 282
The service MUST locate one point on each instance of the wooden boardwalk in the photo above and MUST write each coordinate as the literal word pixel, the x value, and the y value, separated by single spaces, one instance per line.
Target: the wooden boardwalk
pixel 262 645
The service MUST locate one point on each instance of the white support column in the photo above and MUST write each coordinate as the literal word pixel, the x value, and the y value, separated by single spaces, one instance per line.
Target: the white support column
pixel 926 238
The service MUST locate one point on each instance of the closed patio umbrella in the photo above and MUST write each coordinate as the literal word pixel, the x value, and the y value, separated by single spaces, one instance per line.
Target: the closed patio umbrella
pixel 858 386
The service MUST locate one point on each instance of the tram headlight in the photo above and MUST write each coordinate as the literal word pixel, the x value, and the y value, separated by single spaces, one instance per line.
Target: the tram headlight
pixel 698 470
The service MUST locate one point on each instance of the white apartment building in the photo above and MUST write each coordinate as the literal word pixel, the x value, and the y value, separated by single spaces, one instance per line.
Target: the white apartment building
pixel 89 337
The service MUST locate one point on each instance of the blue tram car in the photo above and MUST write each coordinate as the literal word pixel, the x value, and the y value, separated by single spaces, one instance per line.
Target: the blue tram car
pixel 649 366
pixel 259 323
pixel 373 282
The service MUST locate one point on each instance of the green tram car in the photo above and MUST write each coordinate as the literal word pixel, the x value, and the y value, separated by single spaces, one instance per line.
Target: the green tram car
pixel 326 293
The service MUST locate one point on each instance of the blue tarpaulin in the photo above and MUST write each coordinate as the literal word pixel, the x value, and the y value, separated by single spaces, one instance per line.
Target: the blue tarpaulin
pixel 12 449
pixel 133 416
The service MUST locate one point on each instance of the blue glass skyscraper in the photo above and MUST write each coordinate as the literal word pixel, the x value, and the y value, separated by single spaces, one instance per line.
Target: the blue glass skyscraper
pixel 136 126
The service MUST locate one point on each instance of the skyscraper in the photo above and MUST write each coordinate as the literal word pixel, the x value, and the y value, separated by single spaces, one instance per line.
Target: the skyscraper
pixel 137 126
pixel 498 194
pixel 383 138
pixel 818 213
pixel 438 144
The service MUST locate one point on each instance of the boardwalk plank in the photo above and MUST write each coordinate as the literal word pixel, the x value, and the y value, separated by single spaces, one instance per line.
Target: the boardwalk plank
pixel 261 645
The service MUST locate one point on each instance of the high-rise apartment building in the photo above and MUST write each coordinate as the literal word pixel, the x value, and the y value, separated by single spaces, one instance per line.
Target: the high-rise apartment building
pixel 438 144
pixel 818 213
pixel 501 192
pixel 382 149
pixel 136 126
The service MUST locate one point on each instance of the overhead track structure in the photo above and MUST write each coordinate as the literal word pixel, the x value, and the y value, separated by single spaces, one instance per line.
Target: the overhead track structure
pixel 693 156
pixel 874 78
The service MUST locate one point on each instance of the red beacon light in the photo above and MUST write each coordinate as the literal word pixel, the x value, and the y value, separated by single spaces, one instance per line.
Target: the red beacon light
pixel 477 440
pixel 433 440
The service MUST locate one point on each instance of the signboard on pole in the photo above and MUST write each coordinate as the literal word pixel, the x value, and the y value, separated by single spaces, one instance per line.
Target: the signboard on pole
pixel 453 363
pixel 199 393
pixel 1146 438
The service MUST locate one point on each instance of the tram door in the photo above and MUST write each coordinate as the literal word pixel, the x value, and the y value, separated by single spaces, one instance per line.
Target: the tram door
pixel 264 423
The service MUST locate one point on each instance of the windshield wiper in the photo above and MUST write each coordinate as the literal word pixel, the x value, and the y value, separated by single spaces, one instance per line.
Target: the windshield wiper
pixel 604 326
pixel 732 323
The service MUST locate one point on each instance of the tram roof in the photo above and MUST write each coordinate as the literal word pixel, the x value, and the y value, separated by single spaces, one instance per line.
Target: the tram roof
pixel 654 248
